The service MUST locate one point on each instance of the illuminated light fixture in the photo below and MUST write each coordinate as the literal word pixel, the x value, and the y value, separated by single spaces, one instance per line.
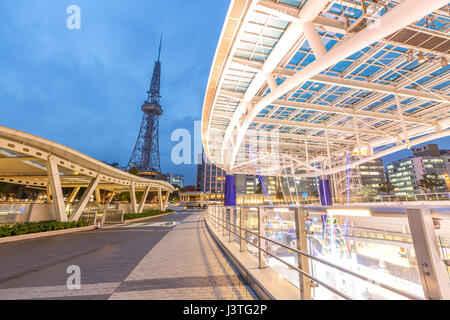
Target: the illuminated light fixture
pixel 421 58
pixel 281 209
pixel 350 212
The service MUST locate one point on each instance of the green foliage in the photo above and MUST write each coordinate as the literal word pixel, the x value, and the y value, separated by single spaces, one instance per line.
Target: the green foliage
pixel 386 187
pixel 34 227
pixel 369 192
pixel 150 213
pixel 430 181
pixel 134 171
pixel 175 196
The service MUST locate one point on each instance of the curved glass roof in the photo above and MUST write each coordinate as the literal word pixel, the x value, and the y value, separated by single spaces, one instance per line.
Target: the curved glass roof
pixel 279 96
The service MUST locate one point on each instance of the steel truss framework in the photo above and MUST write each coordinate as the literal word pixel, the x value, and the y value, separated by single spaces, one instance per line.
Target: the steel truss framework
pixel 367 78
pixel 38 163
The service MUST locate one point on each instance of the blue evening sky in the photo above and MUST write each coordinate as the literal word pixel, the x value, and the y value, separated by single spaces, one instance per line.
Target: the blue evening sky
pixel 84 88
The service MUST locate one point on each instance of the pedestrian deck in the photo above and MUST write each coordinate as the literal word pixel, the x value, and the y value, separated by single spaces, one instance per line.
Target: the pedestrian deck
pixel 185 264
pixel 143 261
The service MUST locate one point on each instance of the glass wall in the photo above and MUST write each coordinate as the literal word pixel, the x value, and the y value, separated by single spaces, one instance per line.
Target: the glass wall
pixel 11 213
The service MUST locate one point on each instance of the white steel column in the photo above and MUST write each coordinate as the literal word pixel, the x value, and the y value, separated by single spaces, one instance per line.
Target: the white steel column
pixel 72 197
pixel 160 200
pixel 73 194
pixel 133 198
pixel 98 198
pixel 56 189
pixel 76 214
pixel 431 266
pixel 49 193
pixel 166 201
pixel 144 198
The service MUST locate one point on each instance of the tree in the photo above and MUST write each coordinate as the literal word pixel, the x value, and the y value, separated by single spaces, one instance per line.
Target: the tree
pixel 175 196
pixel 369 192
pixel 134 171
pixel 430 181
pixel 386 187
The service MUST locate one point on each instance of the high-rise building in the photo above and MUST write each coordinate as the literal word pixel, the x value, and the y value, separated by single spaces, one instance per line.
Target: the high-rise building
pixel 176 179
pixel 251 184
pixel 210 178
pixel 405 174
pixel 372 174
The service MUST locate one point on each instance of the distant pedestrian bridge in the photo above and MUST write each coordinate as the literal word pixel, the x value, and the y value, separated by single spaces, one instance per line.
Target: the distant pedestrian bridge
pixel 35 162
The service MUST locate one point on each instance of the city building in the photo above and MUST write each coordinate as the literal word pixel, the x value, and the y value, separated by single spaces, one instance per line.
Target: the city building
pixel 176 179
pixel 372 174
pixel 405 174
pixel 210 178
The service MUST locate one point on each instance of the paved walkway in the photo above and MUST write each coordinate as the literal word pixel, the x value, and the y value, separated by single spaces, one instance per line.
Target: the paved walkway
pixel 152 260
pixel 185 264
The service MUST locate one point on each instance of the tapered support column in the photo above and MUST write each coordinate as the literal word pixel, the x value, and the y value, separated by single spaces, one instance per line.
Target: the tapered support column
pixel 431 266
pixel 133 198
pixel 160 200
pixel 144 198
pixel 166 201
pixel 49 193
pixel 76 214
pixel 98 198
pixel 56 189
pixel 73 195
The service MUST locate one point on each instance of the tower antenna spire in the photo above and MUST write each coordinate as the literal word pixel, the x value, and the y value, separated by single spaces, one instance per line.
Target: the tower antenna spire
pixel 145 156
pixel 160 44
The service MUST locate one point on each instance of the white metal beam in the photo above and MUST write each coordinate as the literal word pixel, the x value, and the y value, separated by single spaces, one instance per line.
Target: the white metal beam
pixel 295 30
pixel 144 198
pixel 133 197
pixel 76 214
pixel 166 201
pixel 56 189
pixel 160 200
pixel 402 15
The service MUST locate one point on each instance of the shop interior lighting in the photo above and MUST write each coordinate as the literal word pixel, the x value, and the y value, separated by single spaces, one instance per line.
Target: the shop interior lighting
pixel 350 212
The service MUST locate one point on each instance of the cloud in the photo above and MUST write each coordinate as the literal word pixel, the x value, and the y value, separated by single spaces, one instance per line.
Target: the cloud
pixel 84 88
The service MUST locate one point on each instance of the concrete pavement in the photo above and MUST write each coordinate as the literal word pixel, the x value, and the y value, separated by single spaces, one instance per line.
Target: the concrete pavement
pixel 171 257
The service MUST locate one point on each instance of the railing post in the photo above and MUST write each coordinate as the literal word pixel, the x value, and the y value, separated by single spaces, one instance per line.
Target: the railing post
pixel 300 230
pixel 261 242
pixel 224 219
pixel 216 216
pixel 230 221
pixel 242 225
pixel 431 266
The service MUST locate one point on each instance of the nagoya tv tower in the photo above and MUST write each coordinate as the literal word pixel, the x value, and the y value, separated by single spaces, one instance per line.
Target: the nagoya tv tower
pixel 145 156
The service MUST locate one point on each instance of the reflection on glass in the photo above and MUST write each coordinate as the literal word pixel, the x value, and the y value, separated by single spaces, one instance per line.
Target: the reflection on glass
pixel 384 256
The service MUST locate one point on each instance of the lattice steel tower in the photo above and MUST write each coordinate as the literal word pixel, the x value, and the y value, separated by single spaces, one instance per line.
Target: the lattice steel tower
pixel 145 156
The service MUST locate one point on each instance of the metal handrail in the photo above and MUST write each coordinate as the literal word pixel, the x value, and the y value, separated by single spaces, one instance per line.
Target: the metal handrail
pixel 380 284
pixel 293 267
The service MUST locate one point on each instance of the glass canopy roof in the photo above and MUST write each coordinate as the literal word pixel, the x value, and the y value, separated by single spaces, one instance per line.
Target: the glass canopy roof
pixel 280 96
